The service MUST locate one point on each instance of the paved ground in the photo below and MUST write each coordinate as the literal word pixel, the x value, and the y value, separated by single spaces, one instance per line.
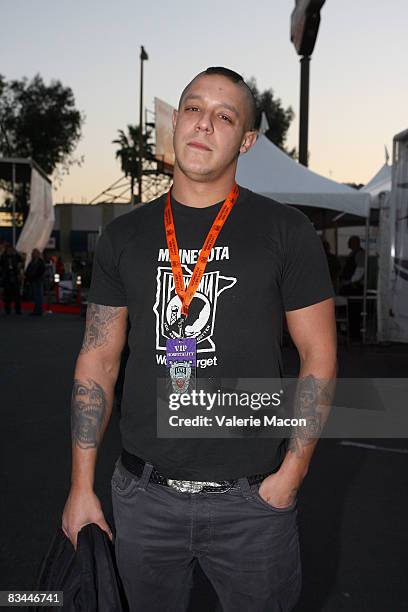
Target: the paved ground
pixel 352 509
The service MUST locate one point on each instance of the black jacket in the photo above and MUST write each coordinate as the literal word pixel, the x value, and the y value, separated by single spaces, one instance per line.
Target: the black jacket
pixel 35 270
pixel 10 265
pixel 88 576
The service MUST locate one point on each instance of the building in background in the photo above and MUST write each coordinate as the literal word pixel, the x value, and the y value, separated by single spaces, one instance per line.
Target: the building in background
pixel 76 227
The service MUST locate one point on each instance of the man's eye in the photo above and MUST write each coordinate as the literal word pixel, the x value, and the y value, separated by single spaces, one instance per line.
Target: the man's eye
pixel 225 118
pixel 193 108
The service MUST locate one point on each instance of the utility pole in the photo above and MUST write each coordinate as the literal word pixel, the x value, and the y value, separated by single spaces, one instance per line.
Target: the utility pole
pixel 304 109
pixel 143 57
pixel 305 21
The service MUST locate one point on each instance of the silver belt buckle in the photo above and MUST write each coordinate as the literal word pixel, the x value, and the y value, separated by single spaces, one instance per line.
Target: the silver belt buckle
pixel 191 486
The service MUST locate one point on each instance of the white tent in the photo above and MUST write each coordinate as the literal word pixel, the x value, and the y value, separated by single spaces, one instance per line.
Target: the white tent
pixel 380 183
pixel 379 187
pixel 267 170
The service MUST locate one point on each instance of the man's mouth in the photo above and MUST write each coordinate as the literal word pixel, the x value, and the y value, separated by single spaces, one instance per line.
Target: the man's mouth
pixel 198 145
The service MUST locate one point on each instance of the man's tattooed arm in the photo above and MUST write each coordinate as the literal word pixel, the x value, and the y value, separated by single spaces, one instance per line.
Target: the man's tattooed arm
pixel 88 413
pixel 99 322
pixel 312 402
pixel 96 373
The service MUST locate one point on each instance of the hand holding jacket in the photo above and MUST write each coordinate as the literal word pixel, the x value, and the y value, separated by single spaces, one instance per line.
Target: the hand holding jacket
pixel 82 507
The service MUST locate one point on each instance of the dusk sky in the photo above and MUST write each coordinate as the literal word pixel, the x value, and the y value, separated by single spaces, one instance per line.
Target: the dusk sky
pixel 358 97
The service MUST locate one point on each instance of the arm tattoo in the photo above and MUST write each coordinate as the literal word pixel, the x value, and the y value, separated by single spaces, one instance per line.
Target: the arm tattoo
pixel 99 320
pixel 312 403
pixel 88 409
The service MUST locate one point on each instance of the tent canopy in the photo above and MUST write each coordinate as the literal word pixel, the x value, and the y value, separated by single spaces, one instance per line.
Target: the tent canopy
pixel 268 171
pixel 380 183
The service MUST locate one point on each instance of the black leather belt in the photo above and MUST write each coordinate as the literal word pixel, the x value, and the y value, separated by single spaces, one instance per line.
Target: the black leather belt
pixel 135 465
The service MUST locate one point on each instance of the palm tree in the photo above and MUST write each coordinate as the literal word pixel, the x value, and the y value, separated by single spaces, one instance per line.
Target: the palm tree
pixel 128 153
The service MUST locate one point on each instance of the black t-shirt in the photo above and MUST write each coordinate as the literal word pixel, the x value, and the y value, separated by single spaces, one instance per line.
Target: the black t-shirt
pixel 267 260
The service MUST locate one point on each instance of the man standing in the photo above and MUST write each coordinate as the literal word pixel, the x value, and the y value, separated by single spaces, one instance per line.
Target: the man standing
pixel 352 279
pixel 352 275
pixel 34 275
pixel 218 264
pixel 333 263
pixel 11 266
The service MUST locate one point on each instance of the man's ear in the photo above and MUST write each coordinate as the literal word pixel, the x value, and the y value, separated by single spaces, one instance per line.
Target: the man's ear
pixel 248 141
pixel 174 119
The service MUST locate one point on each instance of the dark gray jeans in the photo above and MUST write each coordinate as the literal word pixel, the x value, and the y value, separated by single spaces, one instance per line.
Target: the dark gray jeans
pixel 248 549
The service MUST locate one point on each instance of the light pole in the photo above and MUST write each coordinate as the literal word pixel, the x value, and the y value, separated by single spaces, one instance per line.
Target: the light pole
pixel 305 21
pixel 143 57
pixel 13 182
pixel 304 110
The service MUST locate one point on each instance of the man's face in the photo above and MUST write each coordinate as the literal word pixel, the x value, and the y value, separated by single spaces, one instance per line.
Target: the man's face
pixel 210 127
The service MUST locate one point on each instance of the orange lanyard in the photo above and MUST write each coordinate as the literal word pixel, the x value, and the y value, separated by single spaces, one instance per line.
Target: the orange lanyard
pixel 186 295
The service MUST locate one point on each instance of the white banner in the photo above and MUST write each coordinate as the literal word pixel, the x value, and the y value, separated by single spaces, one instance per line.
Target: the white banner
pixel 40 221
pixel 398 320
pixel 164 132
pixel 384 268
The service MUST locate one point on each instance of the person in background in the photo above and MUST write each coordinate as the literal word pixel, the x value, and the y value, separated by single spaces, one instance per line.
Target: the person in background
pixel 334 265
pixel 11 266
pixel 352 279
pixel 352 275
pixel 59 268
pixel 48 278
pixel 35 276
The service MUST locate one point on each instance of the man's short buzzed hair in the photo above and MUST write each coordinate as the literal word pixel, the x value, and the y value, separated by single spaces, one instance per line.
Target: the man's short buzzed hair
pixel 236 78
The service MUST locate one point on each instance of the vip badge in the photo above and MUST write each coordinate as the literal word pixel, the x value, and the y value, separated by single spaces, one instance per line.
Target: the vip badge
pixel 181 356
pixel 180 375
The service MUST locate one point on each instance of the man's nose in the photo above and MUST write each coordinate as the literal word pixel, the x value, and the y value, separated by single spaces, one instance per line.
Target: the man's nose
pixel 204 123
